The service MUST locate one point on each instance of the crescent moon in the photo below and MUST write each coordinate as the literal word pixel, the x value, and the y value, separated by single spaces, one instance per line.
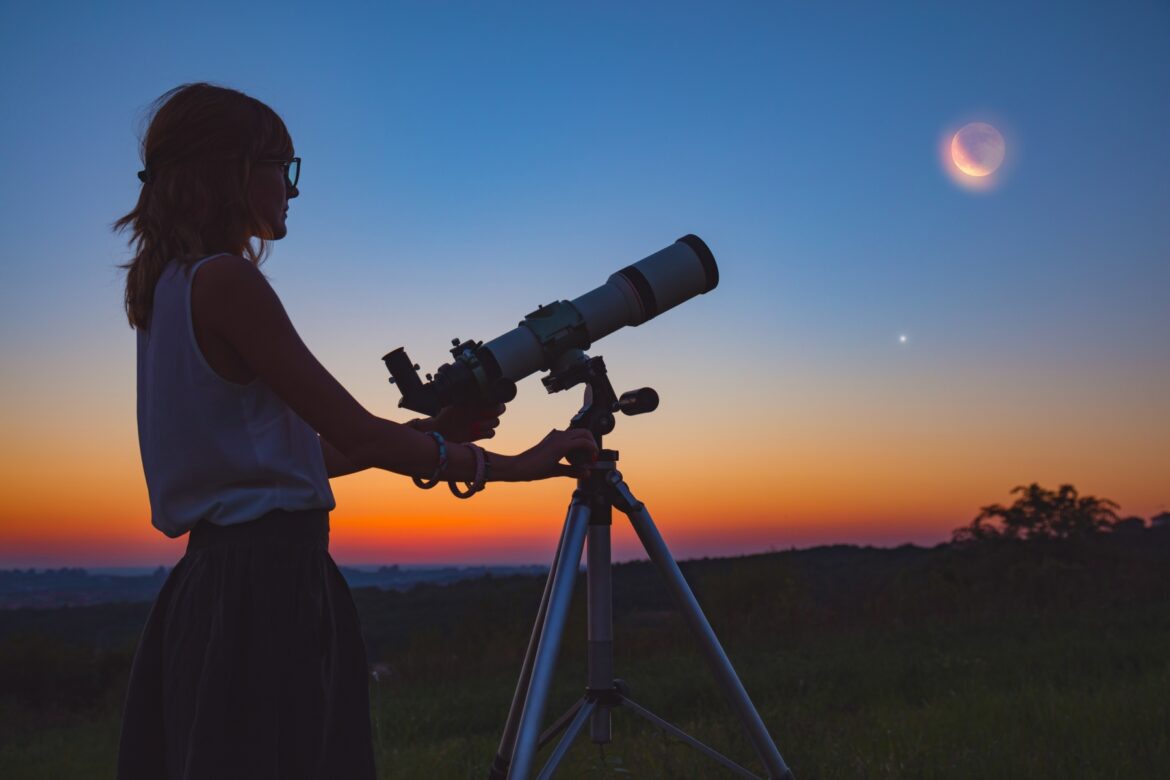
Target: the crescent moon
pixel 977 149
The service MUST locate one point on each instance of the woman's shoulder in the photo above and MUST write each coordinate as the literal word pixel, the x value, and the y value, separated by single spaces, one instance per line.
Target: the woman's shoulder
pixel 229 270
pixel 230 292
pixel 225 260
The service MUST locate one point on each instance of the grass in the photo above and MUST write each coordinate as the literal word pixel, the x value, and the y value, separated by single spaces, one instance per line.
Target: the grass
pixel 1007 701
pixel 1037 663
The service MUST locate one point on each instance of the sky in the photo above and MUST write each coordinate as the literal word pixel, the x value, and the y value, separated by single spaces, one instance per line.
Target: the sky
pixel 465 162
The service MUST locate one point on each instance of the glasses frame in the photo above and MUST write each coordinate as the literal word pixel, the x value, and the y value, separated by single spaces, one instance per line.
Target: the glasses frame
pixel 286 166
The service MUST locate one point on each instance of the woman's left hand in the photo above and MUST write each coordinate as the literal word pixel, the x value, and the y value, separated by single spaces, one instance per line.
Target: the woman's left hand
pixel 467 423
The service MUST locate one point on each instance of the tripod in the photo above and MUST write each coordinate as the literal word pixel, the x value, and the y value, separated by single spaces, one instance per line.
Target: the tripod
pixel 590 515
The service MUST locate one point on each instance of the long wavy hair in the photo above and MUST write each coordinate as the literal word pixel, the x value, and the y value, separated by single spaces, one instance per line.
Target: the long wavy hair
pixel 197 156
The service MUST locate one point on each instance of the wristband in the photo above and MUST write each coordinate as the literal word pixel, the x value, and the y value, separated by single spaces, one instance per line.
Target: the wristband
pixel 440 468
pixel 476 484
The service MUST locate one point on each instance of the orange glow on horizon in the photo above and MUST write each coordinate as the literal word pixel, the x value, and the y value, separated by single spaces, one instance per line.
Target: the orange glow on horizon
pixel 905 461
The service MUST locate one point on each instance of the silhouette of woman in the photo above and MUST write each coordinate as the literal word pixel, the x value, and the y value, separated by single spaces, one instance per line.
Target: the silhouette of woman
pixel 251 664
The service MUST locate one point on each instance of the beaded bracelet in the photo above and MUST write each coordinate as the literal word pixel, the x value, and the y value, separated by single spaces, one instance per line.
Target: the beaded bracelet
pixel 439 469
pixel 476 484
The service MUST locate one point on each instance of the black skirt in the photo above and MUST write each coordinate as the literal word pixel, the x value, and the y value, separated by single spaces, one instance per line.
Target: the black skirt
pixel 251 664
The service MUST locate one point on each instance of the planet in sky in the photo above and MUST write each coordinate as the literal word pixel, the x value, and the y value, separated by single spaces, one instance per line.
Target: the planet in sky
pixel 977 149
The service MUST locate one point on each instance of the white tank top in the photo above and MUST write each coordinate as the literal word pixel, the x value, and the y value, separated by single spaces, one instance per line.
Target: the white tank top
pixel 212 449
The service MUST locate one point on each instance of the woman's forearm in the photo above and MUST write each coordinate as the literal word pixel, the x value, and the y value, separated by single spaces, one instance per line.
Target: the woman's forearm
pixel 338 465
pixel 422 424
pixel 404 449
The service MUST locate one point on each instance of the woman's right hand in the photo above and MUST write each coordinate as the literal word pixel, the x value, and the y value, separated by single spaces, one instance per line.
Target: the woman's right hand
pixel 544 460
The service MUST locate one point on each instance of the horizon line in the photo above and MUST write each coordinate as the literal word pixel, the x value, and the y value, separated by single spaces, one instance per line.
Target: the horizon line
pixel 6 566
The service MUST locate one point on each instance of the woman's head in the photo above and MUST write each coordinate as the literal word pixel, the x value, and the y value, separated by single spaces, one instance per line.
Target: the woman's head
pixel 212 181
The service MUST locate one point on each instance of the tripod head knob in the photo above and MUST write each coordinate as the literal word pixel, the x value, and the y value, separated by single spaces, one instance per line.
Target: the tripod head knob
pixel 638 401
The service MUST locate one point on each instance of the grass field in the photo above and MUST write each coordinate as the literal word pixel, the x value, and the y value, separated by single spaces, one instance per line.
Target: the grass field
pixel 1008 662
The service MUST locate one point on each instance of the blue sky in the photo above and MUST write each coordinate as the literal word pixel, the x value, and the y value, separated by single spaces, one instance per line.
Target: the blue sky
pixel 464 162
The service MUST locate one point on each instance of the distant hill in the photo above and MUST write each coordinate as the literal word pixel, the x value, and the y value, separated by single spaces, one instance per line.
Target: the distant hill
pixel 814 589
pixel 77 587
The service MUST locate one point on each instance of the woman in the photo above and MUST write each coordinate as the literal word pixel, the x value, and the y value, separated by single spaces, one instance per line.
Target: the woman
pixel 251 663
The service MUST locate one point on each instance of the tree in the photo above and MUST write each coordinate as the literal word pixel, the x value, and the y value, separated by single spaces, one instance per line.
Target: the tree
pixel 1041 514
pixel 1130 525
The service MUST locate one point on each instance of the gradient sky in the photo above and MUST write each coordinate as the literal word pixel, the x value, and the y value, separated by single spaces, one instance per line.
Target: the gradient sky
pixel 464 162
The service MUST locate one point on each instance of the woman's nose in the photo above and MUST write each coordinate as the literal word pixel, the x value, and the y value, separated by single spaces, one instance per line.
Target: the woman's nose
pixel 293 192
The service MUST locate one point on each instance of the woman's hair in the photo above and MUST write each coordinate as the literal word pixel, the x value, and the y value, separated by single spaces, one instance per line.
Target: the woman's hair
pixel 197 156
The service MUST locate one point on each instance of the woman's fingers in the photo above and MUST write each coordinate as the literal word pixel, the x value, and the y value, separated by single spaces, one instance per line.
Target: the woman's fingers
pixel 545 458
pixel 484 429
pixel 563 470
pixel 579 440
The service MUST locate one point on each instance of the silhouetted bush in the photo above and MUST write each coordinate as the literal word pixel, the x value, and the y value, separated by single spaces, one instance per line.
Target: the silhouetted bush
pixel 1041 514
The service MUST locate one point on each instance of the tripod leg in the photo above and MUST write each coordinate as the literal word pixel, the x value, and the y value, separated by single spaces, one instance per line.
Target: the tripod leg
pixel 499 768
pixel 600 609
pixel 568 559
pixel 566 742
pixel 685 599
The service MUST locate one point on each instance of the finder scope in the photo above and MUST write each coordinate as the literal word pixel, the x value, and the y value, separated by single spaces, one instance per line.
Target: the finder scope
pixel 487 373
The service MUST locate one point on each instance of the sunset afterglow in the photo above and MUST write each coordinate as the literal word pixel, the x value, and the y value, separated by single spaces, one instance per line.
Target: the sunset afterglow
pixel 904 328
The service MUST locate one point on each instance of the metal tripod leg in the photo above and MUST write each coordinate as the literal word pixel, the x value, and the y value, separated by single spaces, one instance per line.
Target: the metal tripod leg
pixel 599 589
pixel 562 748
pixel 551 630
pixel 685 599
pixel 503 758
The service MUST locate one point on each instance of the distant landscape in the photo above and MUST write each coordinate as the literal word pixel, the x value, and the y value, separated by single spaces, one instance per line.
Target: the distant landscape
pixel 76 587
pixel 1004 657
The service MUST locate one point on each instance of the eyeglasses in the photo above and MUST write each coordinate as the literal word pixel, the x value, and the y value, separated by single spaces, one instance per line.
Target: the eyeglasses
pixel 292 169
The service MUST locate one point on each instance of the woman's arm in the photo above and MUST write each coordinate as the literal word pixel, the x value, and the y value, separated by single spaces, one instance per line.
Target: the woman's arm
pixel 233 302
pixel 336 464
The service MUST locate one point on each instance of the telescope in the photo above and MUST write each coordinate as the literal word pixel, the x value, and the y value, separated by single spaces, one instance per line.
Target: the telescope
pixel 554 338
pixel 557 333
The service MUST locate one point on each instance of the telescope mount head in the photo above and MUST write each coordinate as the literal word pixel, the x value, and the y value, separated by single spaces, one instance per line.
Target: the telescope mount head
pixel 601 401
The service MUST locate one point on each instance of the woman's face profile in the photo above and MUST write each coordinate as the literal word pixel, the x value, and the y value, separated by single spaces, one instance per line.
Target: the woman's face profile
pixel 270 194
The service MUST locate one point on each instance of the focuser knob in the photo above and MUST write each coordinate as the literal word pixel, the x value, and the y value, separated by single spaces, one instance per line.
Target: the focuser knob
pixel 503 390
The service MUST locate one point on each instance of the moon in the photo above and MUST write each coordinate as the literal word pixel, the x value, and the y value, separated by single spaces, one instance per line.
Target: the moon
pixel 977 149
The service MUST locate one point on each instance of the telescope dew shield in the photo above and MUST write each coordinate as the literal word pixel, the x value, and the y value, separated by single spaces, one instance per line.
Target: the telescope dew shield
pixel 632 296
pixel 668 277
